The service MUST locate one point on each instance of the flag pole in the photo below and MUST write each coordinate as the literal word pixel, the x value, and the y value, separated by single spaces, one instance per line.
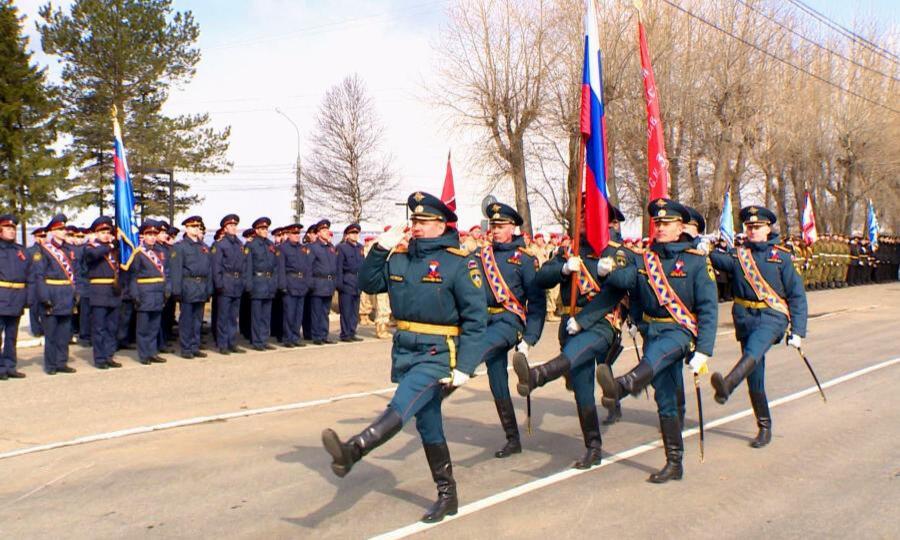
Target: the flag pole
pixel 576 227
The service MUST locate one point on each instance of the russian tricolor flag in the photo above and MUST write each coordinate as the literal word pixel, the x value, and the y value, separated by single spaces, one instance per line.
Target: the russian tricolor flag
pixel 593 134
pixel 125 218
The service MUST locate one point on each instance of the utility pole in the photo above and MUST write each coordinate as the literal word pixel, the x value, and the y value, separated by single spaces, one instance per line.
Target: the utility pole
pixel 299 206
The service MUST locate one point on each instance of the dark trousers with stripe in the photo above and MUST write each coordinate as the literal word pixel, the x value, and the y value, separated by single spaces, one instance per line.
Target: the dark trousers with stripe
pixel 85 318
pixel 190 322
pixel 148 324
pixel 349 307
pixel 321 306
pixel 104 329
pixel 227 321
pixel 293 317
pixel 9 327
pixel 57 333
pixel 260 321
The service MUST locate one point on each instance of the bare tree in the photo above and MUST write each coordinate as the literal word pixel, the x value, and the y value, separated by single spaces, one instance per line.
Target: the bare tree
pixel 494 59
pixel 347 171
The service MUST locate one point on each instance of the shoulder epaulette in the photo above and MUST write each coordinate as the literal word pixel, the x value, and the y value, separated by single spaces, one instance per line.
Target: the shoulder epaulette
pixel 614 244
pixel 459 252
pixel 784 249
pixel 400 249
pixel 521 249
pixel 693 251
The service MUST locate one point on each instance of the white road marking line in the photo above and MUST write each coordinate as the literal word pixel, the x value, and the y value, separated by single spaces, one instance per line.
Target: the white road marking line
pixel 48 484
pixel 242 414
pixel 535 485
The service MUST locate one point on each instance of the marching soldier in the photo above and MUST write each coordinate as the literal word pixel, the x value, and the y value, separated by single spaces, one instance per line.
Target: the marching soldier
pixel 435 294
pixel 228 262
pixel 149 289
pixel 516 308
pixel 768 296
pixel 53 277
pixel 324 271
pixel 294 278
pixel 260 280
pixel 349 259
pixel 586 338
pixel 13 294
pixel 192 285
pixel 102 273
pixel 35 310
pixel 673 287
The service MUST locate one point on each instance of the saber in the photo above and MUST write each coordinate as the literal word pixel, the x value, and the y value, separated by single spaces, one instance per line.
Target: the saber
pixel 813 373
pixel 637 354
pixel 528 411
pixel 700 414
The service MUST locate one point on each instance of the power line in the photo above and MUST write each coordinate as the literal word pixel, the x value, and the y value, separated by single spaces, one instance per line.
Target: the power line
pixel 849 34
pixel 815 43
pixel 782 60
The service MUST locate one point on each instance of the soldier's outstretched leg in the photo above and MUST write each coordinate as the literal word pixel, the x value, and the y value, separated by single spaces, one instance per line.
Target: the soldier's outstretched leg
pixel 345 454
pixel 498 340
pixel 531 378
pixel 616 388
pixel 447 504
pixel 724 386
pixel 670 427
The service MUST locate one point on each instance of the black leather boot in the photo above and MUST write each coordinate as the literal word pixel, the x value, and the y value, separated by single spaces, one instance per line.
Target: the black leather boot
pixel 507 414
pixel 613 415
pixel 344 455
pixel 590 430
pixel 724 386
pixel 531 378
pixel 763 419
pixel 674 446
pixel 442 472
pixel 614 389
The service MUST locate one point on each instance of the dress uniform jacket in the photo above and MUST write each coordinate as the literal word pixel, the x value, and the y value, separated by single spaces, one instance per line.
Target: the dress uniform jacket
pixel 295 268
pixel 324 268
pixel 228 261
pixel 53 277
pixel 13 278
pixel 260 268
pixel 147 280
pixel 349 260
pixel 432 282
pixel 191 271
pixel 101 264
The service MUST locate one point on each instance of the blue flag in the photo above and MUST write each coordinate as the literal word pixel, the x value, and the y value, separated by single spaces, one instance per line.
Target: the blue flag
pixel 126 223
pixel 872 226
pixel 726 222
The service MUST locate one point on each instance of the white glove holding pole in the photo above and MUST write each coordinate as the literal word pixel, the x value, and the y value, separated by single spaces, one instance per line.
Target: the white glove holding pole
pixel 705 246
pixel 522 348
pixel 630 328
pixel 605 265
pixel 393 236
pixel 795 341
pixel 699 363
pixel 456 379
pixel 572 326
pixel 572 265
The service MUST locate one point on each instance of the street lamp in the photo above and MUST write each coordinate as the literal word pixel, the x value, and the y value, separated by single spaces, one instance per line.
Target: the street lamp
pixel 298 190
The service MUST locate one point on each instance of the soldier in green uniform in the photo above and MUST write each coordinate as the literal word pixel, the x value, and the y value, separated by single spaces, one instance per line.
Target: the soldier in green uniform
pixel 436 295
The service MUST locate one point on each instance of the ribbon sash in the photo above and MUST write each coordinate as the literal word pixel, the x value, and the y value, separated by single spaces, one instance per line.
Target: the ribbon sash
pixel 61 259
pixel 502 293
pixel 666 295
pixel 154 258
pixel 758 283
pixel 587 285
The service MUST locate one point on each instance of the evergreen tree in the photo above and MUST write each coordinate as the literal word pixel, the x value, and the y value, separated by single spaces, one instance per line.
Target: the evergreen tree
pixel 129 53
pixel 31 172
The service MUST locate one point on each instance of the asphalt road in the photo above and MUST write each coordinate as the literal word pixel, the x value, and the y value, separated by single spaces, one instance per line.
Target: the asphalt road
pixel 94 454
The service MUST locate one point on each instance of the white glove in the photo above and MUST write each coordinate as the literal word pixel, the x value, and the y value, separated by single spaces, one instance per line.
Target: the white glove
pixel 457 378
pixel 698 363
pixel 522 347
pixel 705 246
pixel 632 330
pixel 572 265
pixel 795 341
pixel 572 326
pixel 390 238
pixel 605 265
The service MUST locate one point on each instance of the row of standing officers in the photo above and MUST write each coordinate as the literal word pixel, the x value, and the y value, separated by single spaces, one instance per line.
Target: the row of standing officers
pixel 58 277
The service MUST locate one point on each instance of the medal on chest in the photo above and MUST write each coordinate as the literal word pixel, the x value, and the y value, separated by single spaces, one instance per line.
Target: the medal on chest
pixel 515 259
pixel 773 256
pixel 678 270
pixel 434 274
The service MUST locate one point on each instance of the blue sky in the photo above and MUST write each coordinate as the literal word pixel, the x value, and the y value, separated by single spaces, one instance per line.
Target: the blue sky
pixel 262 54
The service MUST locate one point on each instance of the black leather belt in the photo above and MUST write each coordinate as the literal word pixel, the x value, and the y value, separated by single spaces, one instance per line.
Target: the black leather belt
pixel 262 274
pixel 197 278
pixel 233 274
pixel 295 274
pixel 324 276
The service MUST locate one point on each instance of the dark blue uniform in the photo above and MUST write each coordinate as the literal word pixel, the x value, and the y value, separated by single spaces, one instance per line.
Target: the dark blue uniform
pixel 757 324
pixel 324 272
pixel 53 278
pixel 167 320
pixel 148 287
pixel 84 297
pixel 192 284
pixel 228 262
pixel 295 278
pixel 101 263
pixel 261 281
pixel 436 297
pixel 35 311
pixel 349 260
pixel 13 297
